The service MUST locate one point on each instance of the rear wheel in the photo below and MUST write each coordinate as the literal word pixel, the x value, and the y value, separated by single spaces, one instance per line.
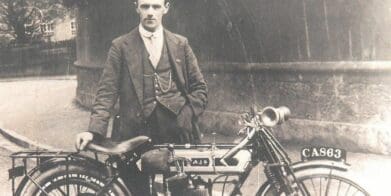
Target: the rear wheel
pixel 81 181
pixel 328 184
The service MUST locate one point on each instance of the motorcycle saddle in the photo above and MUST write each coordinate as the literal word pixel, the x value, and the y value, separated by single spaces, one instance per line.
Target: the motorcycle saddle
pixel 110 147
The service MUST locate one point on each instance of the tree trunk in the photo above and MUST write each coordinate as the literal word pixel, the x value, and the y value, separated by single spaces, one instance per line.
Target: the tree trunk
pixel 20 32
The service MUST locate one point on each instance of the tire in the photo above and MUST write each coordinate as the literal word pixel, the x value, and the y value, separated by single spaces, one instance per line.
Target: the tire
pixel 82 181
pixel 320 182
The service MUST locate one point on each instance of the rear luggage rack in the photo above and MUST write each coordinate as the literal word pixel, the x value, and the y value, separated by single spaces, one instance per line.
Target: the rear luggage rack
pixel 20 164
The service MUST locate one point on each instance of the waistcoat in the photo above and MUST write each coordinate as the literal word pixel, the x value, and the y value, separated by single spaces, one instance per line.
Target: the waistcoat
pixel 160 85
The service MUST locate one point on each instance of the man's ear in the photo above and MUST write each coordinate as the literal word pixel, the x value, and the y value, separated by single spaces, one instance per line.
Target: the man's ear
pixel 136 6
pixel 167 6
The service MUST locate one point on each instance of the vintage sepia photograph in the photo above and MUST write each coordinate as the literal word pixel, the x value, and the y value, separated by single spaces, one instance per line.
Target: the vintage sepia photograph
pixel 195 97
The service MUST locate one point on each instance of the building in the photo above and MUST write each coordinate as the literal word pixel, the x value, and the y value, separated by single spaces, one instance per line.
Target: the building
pixel 59 29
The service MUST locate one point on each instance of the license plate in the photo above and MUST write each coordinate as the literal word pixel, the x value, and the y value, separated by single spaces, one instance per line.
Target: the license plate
pixel 321 152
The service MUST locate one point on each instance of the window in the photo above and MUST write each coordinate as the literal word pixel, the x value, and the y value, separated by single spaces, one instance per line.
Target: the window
pixel 47 28
pixel 73 27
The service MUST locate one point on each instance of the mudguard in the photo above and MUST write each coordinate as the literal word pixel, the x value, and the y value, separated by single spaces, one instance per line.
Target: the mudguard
pixel 302 165
pixel 75 159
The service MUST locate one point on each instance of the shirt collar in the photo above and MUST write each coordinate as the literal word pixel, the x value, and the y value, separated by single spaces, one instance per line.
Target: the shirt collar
pixel 148 34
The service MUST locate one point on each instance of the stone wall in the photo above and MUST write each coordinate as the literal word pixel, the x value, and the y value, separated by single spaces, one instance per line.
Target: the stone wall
pixel 37 59
pixel 342 104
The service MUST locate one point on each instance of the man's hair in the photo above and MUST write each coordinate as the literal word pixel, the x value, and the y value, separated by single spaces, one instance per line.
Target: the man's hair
pixel 136 1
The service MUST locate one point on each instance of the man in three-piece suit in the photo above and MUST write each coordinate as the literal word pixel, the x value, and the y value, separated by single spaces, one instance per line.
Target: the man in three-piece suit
pixel 155 76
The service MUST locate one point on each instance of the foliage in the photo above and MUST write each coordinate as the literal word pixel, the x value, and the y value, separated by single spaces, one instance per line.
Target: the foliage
pixel 22 18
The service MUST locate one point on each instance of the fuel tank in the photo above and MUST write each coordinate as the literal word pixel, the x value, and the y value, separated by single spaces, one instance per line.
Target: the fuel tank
pixel 208 161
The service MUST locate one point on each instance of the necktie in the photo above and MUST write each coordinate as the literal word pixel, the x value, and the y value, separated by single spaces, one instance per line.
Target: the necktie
pixel 154 54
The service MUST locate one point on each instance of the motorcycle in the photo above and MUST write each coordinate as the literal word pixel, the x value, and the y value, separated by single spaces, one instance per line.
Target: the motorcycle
pixel 130 167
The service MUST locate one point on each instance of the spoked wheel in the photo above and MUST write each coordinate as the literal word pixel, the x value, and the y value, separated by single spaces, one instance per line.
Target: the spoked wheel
pixel 80 181
pixel 332 185
pixel 321 184
pixel 76 186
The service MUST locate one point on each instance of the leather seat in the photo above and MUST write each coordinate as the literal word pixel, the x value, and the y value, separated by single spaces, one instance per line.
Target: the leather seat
pixel 110 147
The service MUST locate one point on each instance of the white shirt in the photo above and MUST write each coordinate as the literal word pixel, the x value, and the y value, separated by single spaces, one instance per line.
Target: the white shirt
pixel 153 42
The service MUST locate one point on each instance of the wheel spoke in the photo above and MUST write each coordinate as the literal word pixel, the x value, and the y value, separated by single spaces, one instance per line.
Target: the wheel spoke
pixel 78 186
pixel 328 186
pixel 347 191
pixel 339 187
pixel 313 185
pixel 307 193
pixel 61 191
pixel 320 186
pixel 58 193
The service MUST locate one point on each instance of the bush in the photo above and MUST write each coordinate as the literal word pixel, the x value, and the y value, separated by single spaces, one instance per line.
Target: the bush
pixel 5 40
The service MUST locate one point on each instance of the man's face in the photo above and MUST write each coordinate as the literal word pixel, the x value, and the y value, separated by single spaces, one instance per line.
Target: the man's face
pixel 151 13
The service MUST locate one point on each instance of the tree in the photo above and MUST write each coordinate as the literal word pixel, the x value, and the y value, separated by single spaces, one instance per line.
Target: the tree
pixel 22 18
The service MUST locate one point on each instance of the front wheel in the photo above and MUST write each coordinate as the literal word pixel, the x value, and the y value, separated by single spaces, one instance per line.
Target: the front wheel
pixel 321 183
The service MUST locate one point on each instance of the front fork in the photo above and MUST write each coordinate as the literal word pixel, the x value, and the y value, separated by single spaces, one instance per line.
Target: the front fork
pixel 283 180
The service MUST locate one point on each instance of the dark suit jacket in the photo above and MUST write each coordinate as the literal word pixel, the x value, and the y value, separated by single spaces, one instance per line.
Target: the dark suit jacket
pixel 122 78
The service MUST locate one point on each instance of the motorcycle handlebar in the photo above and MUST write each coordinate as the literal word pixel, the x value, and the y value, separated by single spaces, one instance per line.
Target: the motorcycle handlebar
pixel 232 152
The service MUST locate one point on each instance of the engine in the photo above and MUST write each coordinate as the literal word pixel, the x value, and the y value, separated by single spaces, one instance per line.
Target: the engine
pixel 204 161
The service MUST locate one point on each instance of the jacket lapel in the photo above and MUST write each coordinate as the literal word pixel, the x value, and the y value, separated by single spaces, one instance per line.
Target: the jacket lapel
pixel 134 62
pixel 172 46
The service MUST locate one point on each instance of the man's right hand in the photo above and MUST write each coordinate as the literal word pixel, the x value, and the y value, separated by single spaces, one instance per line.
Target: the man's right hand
pixel 83 139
